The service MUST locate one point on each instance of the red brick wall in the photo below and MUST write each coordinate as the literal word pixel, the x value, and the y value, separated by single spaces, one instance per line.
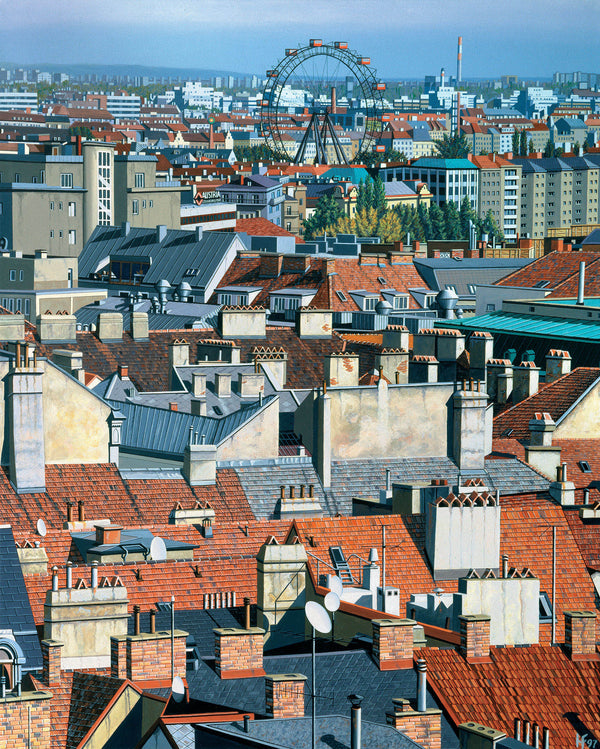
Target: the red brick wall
pixel 475 636
pixel 14 724
pixel 284 699
pixel 51 660
pixel 393 644
pixel 118 657
pixel 239 653
pixel 424 728
pixel 149 657
pixel 270 266
pixel 580 632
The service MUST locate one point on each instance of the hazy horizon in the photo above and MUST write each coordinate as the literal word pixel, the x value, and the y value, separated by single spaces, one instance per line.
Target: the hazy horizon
pixel 531 39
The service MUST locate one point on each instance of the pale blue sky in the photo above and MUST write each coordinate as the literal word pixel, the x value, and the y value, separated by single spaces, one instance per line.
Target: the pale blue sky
pixel 404 38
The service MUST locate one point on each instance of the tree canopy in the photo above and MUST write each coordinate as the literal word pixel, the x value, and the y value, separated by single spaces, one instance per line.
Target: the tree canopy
pixel 453 146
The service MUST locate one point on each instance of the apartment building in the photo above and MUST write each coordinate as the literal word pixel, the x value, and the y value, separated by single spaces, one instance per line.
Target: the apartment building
pixel 500 192
pixel 447 179
pixel 557 193
pixel 55 201
pixel 255 195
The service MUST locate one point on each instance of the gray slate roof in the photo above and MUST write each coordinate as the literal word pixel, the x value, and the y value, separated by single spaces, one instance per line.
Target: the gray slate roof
pixel 157 431
pixel 338 675
pixel 15 609
pixel 438 272
pixel 170 259
pixel 364 478
pixel 331 730
pixel 261 483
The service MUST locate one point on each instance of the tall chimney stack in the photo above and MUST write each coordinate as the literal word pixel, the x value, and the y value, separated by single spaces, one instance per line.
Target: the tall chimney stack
pixel 459 62
pixel 333 100
pixel 581 285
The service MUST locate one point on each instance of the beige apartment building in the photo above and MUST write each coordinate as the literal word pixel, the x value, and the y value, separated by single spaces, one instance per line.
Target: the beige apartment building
pixel 500 192
pixel 558 193
pixel 54 202
pixel 37 284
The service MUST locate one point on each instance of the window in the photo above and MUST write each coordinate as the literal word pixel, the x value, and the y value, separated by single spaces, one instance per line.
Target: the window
pixel 60 233
pixel 66 180
pixel 72 236
pixel 451 287
pixel 51 233
pixel 72 209
pixel 490 307
pixel 369 303
pixel 60 206
pixel 27 306
pixel 584 466
pixel 51 205
pixel 382 280
pixel 143 203
pixel 1 208
pixel 150 204
pixel 140 179
pixel 21 275
pixel 135 207
pixel 70 278
pixel 545 607
pixel 13 275
pixel 341 296
pixel 17 177
pixel 400 302
pixel 472 288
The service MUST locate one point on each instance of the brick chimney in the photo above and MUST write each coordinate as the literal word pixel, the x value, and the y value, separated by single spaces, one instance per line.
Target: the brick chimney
pixel 580 635
pixel 341 369
pixel 475 637
pixel 146 656
pixel 541 453
pixel 284 695
pixel 393 643
pixel 51 661
pixel 239 652
pixel 414 719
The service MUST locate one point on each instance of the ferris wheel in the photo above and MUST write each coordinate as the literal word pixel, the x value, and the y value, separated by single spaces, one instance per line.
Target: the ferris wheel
pixel 301 116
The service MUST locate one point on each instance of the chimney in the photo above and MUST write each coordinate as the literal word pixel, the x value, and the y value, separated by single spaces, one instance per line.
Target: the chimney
pixel 459 62
pixel 580 635
pixel 471 442
pixel 284 695
pixel 110 326
pixel 475 637
pixel 396 337
pixel 341 370
pixel 179 353
pixel 161 233
pixel 541 429
pixel 333 100
pixel 148 656
pixel 562 490
pixel 108 534
pixel 51 662
pixel 558 363
pixel 222 385
pixel 526 378
pixel 25 412
pixel 198 407
pixel 394 364
pixel 495 368
pixel 393 643
pixel 239 652
pixel 173 406
pixel 200 464
pixel 481 350
pixel 423 725
pixel 139 326
pixel 476 736
pixel 424 342
pixel 581 284
pixel 423 369
pixel 251 385
pixel 198 385
pixel 355 721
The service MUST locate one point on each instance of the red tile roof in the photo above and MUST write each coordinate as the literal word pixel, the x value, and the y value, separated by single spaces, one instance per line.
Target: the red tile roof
pixel 586 533
pixel 107 494
pixel 555 399
pixel 262 227
pixel 539 683
pixel 555 268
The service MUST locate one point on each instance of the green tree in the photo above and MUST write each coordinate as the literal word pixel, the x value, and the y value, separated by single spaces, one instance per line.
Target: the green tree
pixel 368 193
pixel 327 213
pixel 453 146
pixel 523 143
pixel 515 143
pixel 491 228
pixel 360 197
pixel 379 202
pixel 530 147
pixel 451 221
pixel 467 214
pixel 438 226
pixel 424 220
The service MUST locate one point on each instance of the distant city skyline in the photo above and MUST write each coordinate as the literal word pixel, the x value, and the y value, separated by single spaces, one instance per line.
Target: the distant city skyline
pixel 404 38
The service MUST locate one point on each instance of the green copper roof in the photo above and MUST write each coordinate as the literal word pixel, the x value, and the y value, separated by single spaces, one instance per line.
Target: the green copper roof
pixel 429 163
pixel 532 325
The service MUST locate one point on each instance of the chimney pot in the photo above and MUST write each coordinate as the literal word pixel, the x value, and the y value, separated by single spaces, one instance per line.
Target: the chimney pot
pixel 421 685
pixel 247 624
pixel 152 621
pixel 81 511
pixel 94 575
pixel 123 370
pixel 136 620
pixel 69 512
pixel 69 569
pixel 55 578
pixel 292 492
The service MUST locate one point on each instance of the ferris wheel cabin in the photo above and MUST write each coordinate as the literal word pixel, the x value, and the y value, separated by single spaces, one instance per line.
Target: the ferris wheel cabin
pixel 379 87
pixel 291 52
pixel 364 60
pixel 316 42
pixel 340 45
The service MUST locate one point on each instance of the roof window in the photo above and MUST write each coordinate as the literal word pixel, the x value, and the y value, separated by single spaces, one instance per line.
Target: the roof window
pixel 545 607
pixel 507 432
pixel 342 296
pixel 584 466
pixel 382 280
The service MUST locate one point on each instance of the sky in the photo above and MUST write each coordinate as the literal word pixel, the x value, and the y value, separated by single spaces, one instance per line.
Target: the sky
pixel 404 38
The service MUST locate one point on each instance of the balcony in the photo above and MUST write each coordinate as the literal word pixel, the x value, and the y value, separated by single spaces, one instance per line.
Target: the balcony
pixel 277 201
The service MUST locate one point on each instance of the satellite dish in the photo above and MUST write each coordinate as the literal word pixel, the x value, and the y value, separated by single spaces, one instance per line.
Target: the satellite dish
pixel 41 527
pixel 158 550
pixel 332 601
pixel 318 617
pixel 335 585
pixel 178 689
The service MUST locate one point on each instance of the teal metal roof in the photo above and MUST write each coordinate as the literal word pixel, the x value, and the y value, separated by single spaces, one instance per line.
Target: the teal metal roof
pixel 532 325
pixel 425 161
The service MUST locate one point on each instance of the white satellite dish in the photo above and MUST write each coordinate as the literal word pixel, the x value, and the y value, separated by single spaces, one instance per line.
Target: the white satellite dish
pixel 178 689
pixel 158 549
pixel 332 601
pixel 336 586
pixel 41 527
pixel 318 617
